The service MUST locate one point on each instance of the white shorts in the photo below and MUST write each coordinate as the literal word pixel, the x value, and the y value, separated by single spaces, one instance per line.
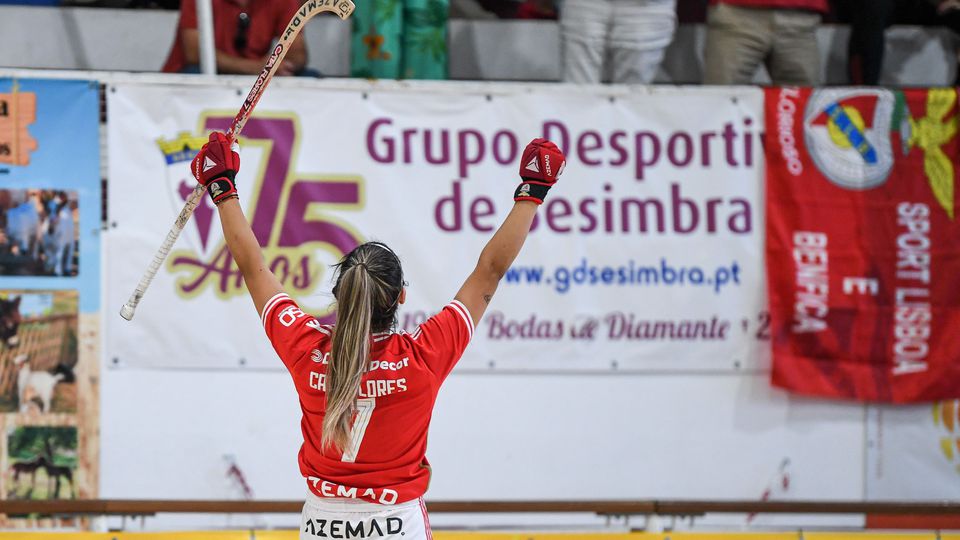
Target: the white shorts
pixel 342 519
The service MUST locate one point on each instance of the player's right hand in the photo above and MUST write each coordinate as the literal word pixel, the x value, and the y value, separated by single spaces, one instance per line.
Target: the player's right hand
pixel 540 167
pixel 216 167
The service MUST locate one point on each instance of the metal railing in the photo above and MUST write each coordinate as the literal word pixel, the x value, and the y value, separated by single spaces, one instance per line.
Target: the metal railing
pixel 686 508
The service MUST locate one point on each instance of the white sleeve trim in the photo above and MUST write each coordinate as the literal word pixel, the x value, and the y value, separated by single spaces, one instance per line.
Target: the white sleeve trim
pixel 464 314
pixel 271 303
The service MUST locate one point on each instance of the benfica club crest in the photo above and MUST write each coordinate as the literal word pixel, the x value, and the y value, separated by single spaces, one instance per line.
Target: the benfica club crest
pixel 847 132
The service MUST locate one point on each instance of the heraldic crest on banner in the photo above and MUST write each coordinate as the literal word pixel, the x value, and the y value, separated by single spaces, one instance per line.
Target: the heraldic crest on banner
pixel 850 134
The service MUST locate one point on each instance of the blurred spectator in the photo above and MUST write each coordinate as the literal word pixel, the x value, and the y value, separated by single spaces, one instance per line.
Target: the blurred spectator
pixel 469 9
pixel 742 34
pixel 632 34
pixel 399 39
pixel 244 31
pixel 692 11
pixel 949 12
pixel 868 23
pixel 869 20
pixel 503 9
pixel 537 9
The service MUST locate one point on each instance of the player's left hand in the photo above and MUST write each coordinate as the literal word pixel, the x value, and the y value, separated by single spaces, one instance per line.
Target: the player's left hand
pixel 541 165
pixel 216 167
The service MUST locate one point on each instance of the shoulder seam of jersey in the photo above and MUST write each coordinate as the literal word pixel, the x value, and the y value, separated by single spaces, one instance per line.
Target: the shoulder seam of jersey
pixel 271 303
pixel 464 314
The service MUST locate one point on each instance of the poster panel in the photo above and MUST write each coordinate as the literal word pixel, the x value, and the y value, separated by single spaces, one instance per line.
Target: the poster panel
pixel 50 206
pixel 647 255
pixel 862 242
pixel 913 452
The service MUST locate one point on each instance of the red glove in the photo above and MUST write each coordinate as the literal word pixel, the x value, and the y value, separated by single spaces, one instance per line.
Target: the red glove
pixel 542 163
pixel 216 167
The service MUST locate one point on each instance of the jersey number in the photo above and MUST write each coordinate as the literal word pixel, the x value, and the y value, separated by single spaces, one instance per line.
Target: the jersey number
pixel 365 408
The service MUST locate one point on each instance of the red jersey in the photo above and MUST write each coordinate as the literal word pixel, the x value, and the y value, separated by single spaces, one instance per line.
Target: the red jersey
pixel 267 20
pixel 385 461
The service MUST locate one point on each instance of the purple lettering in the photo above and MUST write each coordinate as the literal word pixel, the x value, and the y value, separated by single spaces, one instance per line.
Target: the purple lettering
pixel 388 157
pixel 407 144
pixel 728 140
pixel 678 203
pixel 444 147
pixel 687 152
pixel 556 210
pixel 585 145
pixel 561 139
pixel 640 150
pixel 454 203
pixel 464 157
pixel 705 147
pixel 740 221
pixel 476 212
pixel 618 148
pixel 511 154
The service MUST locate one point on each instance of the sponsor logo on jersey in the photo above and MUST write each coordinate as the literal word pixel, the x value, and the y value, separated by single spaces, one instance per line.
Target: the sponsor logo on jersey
pixel 289 315
pixel 388 366
pixel 330 489
pixel 316 325
pixel 348 528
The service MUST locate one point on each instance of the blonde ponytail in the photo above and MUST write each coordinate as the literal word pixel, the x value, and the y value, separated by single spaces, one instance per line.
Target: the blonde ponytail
pixel 349 354
pixel 368 289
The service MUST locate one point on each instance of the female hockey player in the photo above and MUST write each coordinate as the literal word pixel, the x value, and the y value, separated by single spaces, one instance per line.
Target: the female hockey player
pixel 367 392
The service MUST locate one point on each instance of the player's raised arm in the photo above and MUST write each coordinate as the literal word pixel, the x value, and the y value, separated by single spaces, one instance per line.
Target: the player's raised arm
pixel 541 165
pixel 216 167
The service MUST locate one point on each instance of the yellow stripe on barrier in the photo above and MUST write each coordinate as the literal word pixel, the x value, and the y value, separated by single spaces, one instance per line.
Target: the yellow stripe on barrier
pixel 277 535
pixel 872 535
pixel 727 536
pixel 441 535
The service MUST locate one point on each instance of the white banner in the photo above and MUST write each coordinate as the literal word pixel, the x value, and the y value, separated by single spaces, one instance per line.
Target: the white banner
pixel 913 453
pixel 646 256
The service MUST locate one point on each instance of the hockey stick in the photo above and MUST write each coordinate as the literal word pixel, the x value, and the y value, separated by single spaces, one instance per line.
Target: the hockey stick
pixel 343 8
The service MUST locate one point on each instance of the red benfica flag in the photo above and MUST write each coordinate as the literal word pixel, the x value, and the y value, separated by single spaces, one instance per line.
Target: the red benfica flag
pixel 863 242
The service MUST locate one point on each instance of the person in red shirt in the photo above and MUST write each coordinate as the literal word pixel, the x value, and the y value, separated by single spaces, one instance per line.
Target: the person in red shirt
pixel 244 32
pixel 367 392
pixel 742 34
